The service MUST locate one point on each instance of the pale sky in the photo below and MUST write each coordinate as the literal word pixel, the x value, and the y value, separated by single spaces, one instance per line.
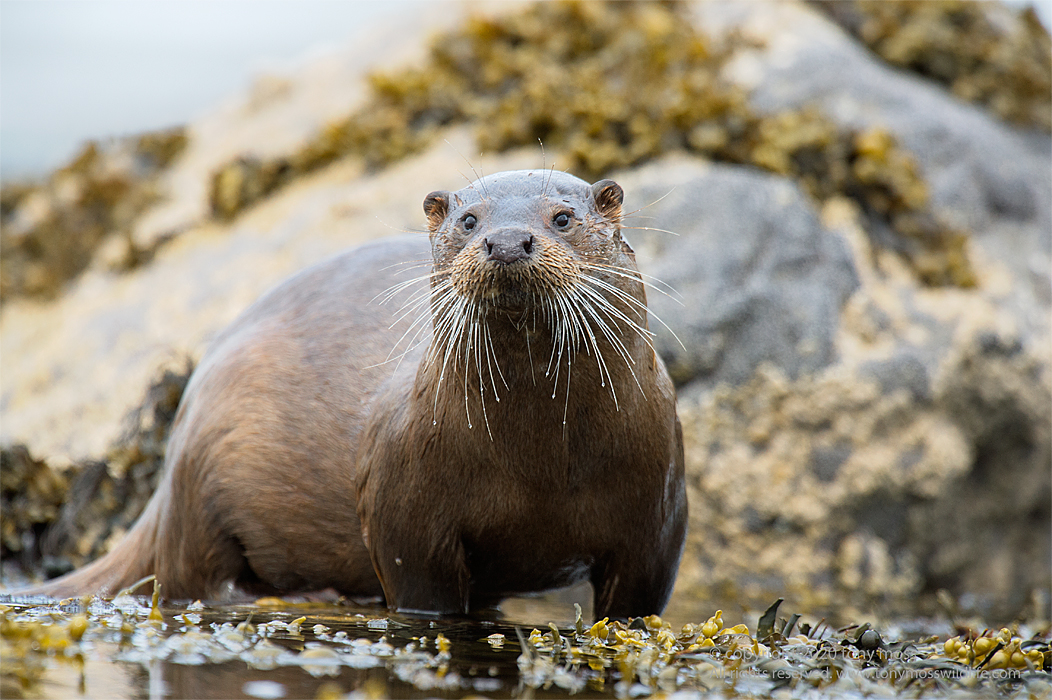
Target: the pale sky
pixel 77 69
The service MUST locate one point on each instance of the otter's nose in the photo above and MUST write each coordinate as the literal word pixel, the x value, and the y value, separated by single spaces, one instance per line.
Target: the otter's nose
pixel 509 245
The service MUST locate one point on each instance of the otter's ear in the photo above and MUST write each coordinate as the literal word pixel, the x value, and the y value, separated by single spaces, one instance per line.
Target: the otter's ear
pixel 608 196
pixel 436 207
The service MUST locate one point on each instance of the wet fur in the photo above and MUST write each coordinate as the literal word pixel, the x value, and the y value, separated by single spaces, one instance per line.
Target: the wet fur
pixel 307 454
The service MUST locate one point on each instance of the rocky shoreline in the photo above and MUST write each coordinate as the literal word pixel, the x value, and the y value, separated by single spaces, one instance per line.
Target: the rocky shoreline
pixel 863 259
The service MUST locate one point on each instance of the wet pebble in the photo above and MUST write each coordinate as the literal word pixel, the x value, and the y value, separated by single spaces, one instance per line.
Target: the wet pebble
pixel 267 690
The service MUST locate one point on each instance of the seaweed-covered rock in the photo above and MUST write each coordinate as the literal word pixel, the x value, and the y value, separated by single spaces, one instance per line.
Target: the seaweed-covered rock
pixel 550 77
pixel 916 461
pixel 51 230
pixel 984 52
pixel 857 435
pixel 57 518
pixel 850 500
pixel 31 494
pixel 855 440
pixel 983 175
pixel 108 495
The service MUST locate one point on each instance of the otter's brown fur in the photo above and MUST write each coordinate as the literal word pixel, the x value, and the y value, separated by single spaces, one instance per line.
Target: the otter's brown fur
pixel 515 432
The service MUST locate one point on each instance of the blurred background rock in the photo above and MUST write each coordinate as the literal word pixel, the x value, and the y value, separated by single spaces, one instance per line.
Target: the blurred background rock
pixel 861 193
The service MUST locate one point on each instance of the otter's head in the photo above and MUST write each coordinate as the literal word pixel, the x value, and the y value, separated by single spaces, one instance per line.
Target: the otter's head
pixel 519 239
pixel 528 260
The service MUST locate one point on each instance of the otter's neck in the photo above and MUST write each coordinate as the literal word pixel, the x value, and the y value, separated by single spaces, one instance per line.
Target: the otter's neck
pixel 510 374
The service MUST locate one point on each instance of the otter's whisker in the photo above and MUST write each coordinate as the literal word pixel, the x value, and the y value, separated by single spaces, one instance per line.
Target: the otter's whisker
pixel 571 321
pixel 605 329
pixel 492 350
pixel 477 333
pixel 478 355
pixel 484 345
pixel 480 327
pixel 421 297
pixel 467 365
pixel 551 320
pixel 418 298
pixel 548 182
pixel 648 281
pixel 615 342
pixel 389 293
pixel 647 206
pixel 560 342
pixel 578 303
pixel 463 343
pixel 599 306
pixel 408 265
pixel 566 402
pixel 478 175
pixel 609 308
pixel 568 322
pixel 443 292
pixel 448 335
pixel 419 323
pixel 398 228
pixel 634 302
pixel 649 228
pixel 529 350
pixel 414 309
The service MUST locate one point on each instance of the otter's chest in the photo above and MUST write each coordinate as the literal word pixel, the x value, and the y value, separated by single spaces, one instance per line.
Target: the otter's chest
pixel 530 557
pixel 529 539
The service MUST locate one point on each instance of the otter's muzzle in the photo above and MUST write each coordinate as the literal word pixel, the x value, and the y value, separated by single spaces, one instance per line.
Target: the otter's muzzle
pixel 508 245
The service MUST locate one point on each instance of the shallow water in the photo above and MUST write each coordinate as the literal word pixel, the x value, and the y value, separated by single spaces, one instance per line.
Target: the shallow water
pixel 211 653
pixel 276 649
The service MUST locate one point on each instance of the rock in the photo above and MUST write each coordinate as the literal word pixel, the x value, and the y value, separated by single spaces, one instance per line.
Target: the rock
pixel 917 460
pixel 846 499
pixel 760 279
pixel 68 405
pixel 278 114
pixel 856 441
pixel 984 176
pixel 32 493
pixel 915 457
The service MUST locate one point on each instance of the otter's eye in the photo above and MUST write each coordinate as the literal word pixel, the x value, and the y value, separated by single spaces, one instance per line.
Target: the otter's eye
pixel 561 220
pixel 469 221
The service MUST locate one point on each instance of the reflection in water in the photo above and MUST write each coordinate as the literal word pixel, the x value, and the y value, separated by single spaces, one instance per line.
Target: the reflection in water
pixel 278 649
pixel 296 651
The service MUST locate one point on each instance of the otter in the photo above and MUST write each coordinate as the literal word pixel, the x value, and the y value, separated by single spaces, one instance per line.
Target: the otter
pixel 508 428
